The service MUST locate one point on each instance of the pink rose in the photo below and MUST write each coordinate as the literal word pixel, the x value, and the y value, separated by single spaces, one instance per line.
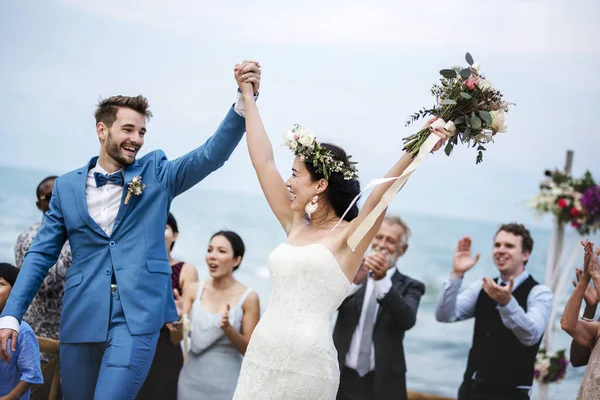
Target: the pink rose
pixel 472 81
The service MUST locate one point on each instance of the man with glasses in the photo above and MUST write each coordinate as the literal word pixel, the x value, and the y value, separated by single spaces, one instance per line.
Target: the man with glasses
pixel 43 314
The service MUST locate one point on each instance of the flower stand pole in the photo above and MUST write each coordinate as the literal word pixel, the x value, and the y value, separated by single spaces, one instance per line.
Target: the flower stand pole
pixel 553 276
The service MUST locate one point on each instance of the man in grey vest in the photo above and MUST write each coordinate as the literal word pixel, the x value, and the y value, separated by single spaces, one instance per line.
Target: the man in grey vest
pixel 372 320
pixel 511 314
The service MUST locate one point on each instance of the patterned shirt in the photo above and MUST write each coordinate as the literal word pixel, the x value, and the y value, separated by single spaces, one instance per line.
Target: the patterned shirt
pixel 43 314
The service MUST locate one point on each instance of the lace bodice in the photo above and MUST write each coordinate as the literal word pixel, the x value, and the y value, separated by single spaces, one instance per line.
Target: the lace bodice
pixel 590 386
pixel 291 353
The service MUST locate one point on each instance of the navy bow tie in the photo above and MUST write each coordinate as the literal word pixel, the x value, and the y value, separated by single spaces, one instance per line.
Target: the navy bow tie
pixel 102 179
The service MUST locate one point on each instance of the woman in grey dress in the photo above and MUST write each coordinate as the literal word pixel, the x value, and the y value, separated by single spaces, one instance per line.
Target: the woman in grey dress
pixel 223 313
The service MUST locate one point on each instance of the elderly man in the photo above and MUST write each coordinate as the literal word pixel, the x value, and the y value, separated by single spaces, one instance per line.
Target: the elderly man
pixel 381 306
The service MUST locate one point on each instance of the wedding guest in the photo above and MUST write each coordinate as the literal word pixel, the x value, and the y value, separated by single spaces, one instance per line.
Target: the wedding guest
pixel 161 382
pixel 23 370
pixel 371 323
pixel 223 315
pixel 43 315
pixel 586 332
pixel 579 354
pixel 511 314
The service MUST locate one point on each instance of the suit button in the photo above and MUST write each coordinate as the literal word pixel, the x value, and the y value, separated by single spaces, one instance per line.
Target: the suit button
pixel 107 271
pixel 112 244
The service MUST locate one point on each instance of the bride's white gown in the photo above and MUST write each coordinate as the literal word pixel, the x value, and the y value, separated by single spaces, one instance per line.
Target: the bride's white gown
pixel 291 355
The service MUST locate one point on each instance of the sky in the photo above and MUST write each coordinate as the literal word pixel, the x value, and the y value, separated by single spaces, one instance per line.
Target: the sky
pixel 350 71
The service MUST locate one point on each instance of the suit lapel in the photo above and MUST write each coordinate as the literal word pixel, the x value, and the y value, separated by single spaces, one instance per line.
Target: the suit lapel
pixel 80 199
pixel 130 172
pixel 397 282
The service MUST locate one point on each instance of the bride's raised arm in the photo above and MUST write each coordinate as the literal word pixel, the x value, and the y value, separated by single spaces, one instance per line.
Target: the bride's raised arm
pixel 261 152
pixel 380 189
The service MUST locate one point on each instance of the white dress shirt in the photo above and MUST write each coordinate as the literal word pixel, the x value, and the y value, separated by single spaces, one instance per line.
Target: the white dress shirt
pixel 528 326
pixel 104 202
pixel 381 287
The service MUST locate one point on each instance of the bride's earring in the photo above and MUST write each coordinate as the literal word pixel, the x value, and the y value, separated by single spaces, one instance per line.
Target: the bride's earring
pixel 311 207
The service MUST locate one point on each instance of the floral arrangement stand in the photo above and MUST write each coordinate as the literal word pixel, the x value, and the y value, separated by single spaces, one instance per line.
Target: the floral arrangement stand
pixel 574 203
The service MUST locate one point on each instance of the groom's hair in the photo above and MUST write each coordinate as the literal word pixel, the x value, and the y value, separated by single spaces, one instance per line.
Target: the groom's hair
pixel 519 230
pixel 107 108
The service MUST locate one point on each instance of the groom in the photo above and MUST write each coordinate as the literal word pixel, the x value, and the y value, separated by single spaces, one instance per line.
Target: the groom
pixel 113 211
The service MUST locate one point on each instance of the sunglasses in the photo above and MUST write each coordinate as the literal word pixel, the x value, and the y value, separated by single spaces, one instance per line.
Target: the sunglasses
pixel 46 197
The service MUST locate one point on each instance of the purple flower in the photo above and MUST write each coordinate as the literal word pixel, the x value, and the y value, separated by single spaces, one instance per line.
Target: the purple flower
pixel 591 201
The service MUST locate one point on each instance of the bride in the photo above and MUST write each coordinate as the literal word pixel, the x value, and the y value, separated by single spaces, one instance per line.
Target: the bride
pixel 291 354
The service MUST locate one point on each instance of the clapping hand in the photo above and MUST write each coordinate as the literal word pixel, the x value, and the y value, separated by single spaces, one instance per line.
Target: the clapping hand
pixel 590 296
pixel 591 263
pixel 500 294
pixel 377 263
pixel 225 318
pixel 462 258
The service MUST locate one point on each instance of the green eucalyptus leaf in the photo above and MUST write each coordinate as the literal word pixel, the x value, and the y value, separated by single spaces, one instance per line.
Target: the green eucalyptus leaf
pixel 465 95
pixel 475 122
pixel 448 102
pixel 469 58
pixel 465 73
pixel 486 116
pixel 448 148
pixel 448 73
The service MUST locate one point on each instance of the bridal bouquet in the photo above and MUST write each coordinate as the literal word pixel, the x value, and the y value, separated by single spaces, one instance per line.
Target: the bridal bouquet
pixel 467 106
pixel 572 201
pixel 550 367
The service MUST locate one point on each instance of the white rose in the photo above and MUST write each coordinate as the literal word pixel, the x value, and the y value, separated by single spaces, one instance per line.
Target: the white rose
pixel 306 137
pixel 476 66
pixel 288 138
pixel 498 124
pixel 484 84
pixel 484 137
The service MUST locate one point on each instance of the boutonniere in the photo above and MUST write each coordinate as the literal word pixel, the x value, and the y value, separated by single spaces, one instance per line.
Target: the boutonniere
pixel 134 188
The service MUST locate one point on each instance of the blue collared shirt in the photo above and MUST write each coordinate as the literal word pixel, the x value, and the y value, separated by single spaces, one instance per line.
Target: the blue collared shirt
pixel 24 364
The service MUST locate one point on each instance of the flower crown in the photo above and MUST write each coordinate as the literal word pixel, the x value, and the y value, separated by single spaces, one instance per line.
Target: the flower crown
pixel 304 144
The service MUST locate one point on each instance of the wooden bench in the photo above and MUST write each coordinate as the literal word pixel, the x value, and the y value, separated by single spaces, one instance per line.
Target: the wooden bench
pixel 50 370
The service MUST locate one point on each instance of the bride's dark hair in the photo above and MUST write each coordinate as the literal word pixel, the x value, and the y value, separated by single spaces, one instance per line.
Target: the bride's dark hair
pixel 340 192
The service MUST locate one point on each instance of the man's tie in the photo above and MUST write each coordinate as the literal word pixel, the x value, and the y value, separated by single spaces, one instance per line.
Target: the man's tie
pixel 363 366
pixel 102 179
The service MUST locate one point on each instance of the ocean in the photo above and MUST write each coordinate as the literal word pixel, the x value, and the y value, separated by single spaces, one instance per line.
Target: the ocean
pixel 436 352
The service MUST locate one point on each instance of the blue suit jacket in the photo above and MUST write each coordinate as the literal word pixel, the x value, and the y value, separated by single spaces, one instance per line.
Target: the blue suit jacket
pixel 135 250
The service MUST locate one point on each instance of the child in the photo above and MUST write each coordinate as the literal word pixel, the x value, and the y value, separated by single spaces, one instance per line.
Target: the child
pixel 23 369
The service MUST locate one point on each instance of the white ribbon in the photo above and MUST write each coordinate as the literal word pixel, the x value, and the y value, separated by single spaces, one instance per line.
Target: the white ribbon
pixel 366 225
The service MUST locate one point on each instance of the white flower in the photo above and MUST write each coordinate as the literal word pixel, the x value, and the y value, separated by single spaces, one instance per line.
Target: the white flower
pixel 476 66
pixel 484 137
pixel 484 84
pixel 306 137
pixel 288 138
pixel 498 124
